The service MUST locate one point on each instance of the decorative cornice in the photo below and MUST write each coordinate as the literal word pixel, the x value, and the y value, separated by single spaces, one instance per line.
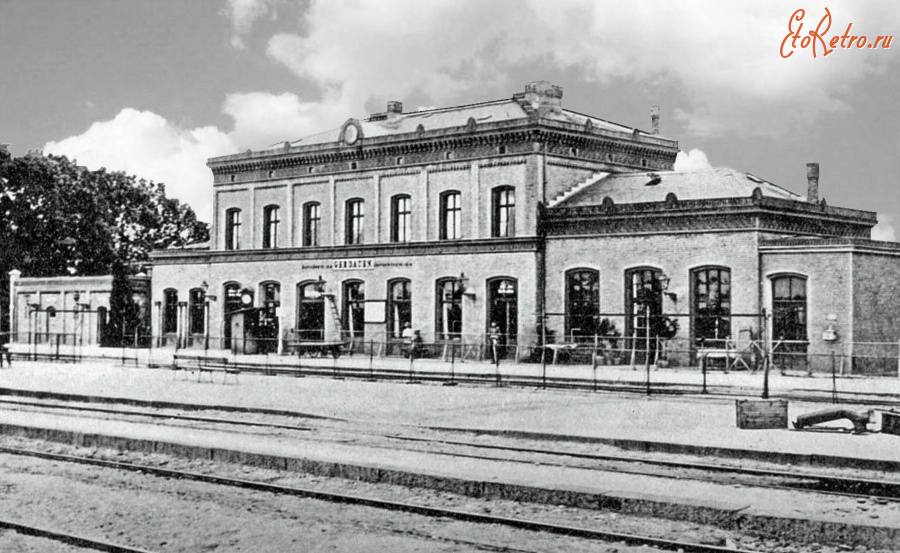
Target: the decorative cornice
pixel 522 130
pixel 408 249
pixel 762 214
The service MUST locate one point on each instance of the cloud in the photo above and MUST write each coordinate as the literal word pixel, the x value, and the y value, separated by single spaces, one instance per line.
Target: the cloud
pixel 724 56
pixel 146 144
pixel 884 230
pixel 262 119
pixel 694 160
pixel 243 14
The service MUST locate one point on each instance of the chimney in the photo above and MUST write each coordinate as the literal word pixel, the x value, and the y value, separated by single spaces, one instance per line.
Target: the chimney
pixel 393 106
pixel 654 119
pixel 812 178
pixel 543 97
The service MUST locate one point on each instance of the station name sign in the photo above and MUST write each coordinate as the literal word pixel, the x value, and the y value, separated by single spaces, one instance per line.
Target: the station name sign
pixel 356 264
pixel 352 264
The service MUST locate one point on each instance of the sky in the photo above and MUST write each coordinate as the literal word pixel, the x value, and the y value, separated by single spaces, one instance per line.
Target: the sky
pixel 157 88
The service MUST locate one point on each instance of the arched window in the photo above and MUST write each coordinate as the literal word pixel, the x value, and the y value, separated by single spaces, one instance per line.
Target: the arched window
pixel 233 229
pixel 354 309
pixel 196 311
pixel 451 215
pixel 449 324
pixel 354 217
pixel 644 301
pixel 399 308
pixel 503 211
pixel 582 304
pixel 311 219
pixel 267 327
pixel 270 226
pixel 170 311
pixel 711 306
pixel 401 218
pixel 789 322
pixel 310 311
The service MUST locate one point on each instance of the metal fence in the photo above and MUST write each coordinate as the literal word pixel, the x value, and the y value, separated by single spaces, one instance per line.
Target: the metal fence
pixel 741 351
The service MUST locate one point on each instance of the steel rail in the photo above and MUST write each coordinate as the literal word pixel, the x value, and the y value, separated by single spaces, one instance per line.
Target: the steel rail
pixel 151 415
pixel 70 539
pixel 833 485
pixel 820 483
pixel 413 508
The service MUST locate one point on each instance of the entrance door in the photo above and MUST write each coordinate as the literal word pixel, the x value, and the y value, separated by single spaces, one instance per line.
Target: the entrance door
pixel 645 310
pixel 311 313
pixel 789 336
pixel 503 310
pixel 231 304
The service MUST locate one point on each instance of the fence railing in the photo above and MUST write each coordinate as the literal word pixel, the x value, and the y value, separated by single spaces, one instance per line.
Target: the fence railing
pixel 725 354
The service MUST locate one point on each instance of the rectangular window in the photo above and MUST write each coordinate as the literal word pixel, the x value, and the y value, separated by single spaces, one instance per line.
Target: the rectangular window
pixel 451 216
pixel 311 220
pixel 401 218
pixel 233 229
pixel 355 216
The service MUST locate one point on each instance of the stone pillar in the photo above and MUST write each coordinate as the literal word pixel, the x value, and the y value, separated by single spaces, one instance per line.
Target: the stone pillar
pixel 654 119
pixel 13 308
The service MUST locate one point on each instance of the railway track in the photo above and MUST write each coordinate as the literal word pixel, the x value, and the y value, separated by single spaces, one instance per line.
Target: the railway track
pixel 629 464
pixel 348 499
pixel 70 539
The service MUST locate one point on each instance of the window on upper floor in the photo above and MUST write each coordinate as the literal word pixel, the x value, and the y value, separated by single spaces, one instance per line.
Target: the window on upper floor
pixel 354 218
pixel 311 223
pixel 233 229
pixel 451 215
pixel 503 211
pixel 401 218
pixel 270 226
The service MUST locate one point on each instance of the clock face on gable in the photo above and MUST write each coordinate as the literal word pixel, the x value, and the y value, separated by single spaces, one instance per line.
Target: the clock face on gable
pixel 351 134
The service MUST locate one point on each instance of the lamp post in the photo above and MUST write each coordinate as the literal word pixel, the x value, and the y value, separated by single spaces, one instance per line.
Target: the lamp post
pixel 33 307
pixel 644 298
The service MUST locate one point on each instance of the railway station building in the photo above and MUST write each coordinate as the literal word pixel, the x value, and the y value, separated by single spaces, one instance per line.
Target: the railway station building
pixel 520 221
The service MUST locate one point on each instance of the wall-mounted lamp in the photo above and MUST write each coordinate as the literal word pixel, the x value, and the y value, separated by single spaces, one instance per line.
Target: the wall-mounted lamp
pixel 664 281
pixel 463 283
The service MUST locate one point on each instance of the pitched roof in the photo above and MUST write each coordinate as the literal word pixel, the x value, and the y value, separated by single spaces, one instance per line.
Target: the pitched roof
pixel 442 118
pixel 717 182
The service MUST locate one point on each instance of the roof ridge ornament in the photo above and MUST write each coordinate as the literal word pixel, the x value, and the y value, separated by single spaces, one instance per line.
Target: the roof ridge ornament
pixel 351 132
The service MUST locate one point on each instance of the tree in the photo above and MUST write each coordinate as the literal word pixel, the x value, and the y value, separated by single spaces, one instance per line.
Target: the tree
pixel 57 219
